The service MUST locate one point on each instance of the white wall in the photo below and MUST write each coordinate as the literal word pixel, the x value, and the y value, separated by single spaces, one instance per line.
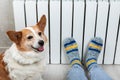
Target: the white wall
pixel 6 22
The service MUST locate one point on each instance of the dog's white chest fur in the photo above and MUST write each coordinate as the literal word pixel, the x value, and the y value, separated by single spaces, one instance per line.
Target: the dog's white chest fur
pixel 24 67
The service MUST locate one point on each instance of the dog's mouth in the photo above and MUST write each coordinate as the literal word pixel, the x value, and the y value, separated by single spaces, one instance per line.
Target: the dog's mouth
pixel 40 49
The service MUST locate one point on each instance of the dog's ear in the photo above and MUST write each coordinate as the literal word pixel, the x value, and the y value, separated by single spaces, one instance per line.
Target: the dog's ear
pixel 15 36
pixel 42 23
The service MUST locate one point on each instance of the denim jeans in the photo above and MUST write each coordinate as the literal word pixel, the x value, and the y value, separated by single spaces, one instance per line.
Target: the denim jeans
pixel 95 73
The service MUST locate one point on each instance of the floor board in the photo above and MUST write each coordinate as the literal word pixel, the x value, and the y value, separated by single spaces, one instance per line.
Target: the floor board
pixel 58 72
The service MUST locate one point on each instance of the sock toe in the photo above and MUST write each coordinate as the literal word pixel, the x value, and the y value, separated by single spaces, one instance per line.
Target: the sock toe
pixel 70 45
pixel 96 44
pixel 68 41
pixel 97 40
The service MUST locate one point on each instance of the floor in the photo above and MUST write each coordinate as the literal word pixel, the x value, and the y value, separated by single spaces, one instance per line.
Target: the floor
pixel 58 72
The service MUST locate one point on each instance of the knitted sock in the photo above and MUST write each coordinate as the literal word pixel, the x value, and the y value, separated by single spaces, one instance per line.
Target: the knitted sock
pixel 71 49
pixel 94 49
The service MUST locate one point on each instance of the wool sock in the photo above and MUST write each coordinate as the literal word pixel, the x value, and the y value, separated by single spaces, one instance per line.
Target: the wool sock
pixel 94 49
pixel 72 52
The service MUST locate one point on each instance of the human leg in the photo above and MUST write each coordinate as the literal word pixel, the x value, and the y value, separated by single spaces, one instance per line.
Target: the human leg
pixel 76 72
pixel 95 71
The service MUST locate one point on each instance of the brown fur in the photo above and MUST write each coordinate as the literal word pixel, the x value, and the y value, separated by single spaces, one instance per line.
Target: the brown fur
pixel 3 72
pixel 15 36
pixel 42 23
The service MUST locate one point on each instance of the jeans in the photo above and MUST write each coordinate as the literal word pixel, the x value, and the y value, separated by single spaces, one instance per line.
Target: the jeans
pixel 95 73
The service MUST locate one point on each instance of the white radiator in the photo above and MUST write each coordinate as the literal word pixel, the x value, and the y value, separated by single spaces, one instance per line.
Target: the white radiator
pixel 74 18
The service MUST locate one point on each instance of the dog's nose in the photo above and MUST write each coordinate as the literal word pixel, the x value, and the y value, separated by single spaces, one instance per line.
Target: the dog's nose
pixel 41 42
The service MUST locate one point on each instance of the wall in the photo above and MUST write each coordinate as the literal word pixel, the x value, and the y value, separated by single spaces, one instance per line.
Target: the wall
pixel 6 23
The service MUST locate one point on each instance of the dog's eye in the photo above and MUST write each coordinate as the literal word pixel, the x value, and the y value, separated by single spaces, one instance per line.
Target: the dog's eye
pixel 29 37
pixel 39 33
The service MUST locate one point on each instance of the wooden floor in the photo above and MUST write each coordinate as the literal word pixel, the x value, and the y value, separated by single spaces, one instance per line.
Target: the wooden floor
pixel 58 72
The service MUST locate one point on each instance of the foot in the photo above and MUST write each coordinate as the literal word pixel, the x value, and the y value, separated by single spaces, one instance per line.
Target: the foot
pixel 94 49
pixel 71 49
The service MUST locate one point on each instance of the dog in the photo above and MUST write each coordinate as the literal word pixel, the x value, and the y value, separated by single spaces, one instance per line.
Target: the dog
pixel 25 59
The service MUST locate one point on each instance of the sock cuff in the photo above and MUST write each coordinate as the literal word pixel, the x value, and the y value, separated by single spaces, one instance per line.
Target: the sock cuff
pixel 90 62
pixel 75 61
pixel 77 64
pixel 91 65
pixel 91 59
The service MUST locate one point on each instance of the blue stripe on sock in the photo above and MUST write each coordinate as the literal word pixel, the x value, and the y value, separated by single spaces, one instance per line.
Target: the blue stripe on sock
pixel 96 43
pixel 72 50
pixel 91 59
pixel 92 49
pixel 76 64
pixel 91 64
pixel 69 43
pixel 74 59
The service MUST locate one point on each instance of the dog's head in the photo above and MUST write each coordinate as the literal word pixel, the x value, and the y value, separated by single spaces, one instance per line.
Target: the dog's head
pixel 30 38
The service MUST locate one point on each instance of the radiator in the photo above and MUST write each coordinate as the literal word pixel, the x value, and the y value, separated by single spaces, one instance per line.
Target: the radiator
pixel 80 19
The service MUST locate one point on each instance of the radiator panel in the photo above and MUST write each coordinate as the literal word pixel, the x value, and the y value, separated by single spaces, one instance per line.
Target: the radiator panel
pixel 89 23
pixel 74 18
pixel 19 14
pixel 30 7
pixel 55 31
pixel 102 17
pixel 79 7
pixel 117 56
pixel 66 25
pixel 112 32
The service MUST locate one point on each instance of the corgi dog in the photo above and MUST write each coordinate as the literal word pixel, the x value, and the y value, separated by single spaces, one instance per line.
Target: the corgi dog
pixel 25 59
